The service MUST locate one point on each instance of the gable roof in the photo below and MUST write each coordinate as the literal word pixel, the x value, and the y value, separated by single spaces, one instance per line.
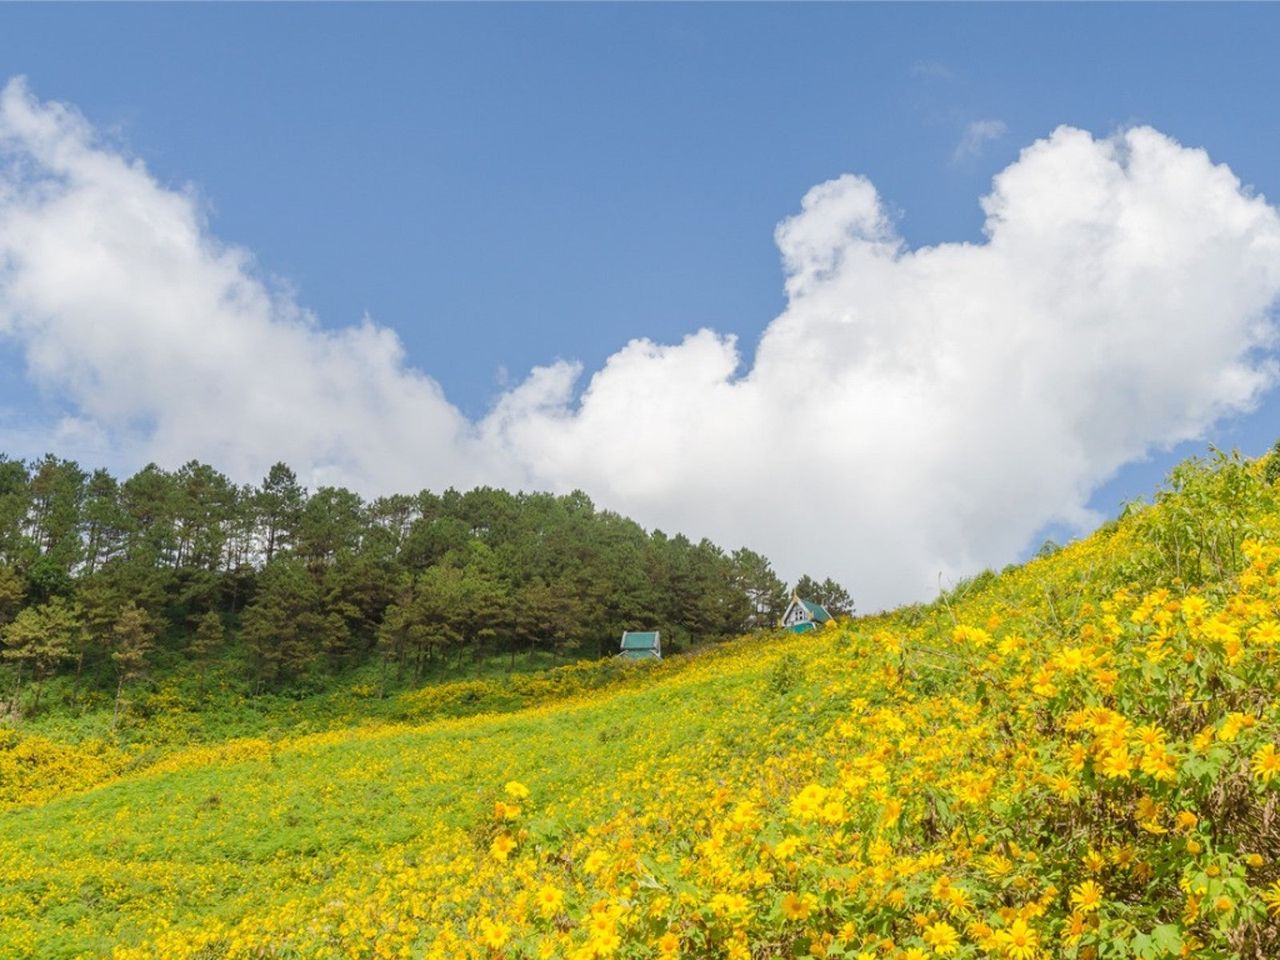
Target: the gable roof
pixel 816 610
pixel 640 640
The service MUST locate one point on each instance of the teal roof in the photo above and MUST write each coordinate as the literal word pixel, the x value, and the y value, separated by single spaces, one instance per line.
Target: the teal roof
pixel 640 640
pixel 804 626
pixel 816 611
pixel 648 654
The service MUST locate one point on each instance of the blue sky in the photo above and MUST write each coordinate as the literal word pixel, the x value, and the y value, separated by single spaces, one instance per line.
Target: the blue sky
pixel 503 186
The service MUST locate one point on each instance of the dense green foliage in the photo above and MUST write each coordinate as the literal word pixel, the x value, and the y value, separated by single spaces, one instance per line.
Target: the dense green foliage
pixel 118 584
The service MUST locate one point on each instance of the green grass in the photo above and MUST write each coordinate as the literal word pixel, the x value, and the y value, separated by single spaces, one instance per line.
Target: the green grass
pixel 172 705
pixel 220 837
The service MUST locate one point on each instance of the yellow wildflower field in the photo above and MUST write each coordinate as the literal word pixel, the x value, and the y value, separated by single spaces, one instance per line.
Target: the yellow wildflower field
pixel 1075 758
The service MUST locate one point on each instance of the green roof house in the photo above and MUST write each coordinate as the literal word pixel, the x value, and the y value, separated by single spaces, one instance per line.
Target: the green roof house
pixel 641 645
pixel 802 615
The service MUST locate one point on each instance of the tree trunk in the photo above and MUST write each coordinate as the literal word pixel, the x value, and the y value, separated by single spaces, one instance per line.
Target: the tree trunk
pixel 115 713
pixel 15 705
pixel 75 687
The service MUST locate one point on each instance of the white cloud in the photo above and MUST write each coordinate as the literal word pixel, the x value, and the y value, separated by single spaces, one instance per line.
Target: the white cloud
pixel 916 412
pixel 976 136
pixel 165 340
pixel 912 412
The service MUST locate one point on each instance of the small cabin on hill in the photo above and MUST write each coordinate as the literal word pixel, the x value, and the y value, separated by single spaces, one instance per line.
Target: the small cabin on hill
pixel 641 645
pixel 802 615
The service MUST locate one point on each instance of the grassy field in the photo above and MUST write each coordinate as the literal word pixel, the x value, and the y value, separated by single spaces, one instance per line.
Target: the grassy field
pixel 180 707
pixel 1074 758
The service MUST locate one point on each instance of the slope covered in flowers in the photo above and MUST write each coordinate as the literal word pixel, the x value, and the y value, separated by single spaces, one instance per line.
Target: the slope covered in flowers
pixel 1076 758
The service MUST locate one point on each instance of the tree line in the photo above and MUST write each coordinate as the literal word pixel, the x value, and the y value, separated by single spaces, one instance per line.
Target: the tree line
pixel 102 579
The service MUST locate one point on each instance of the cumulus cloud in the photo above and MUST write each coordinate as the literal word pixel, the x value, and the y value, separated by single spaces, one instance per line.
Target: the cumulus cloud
pixel 916 412
pixel 912 411
pixel 976 136
pixel 165 343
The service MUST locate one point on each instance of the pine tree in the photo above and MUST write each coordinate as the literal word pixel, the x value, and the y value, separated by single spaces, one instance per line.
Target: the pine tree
pixel 765 592
pixel 41 638
pixel 13 589
pixel 279 505
pixel 206 642
pixel 132 636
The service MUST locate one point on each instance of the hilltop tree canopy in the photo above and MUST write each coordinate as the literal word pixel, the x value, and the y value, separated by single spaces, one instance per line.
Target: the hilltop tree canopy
pixel 297 583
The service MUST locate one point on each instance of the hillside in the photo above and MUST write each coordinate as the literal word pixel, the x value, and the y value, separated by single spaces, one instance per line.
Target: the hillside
pixel 1074 758
pixel 128 597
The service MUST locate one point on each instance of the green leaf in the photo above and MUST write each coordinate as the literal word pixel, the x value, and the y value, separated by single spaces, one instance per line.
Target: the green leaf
pixel 1168 938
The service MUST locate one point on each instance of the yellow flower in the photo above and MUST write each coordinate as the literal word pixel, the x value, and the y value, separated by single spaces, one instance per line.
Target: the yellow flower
pixel 516 790
pixel 1076 757
pixel 669 944
pixel 729 904
pixel 1019 942
pixel 797 907
pixel 1150 735
pixel 832 812
pixel 1077 923
pixel 808 802
pixel 606 944
pixel 1271 897
pixel 1086 896
pixel 942 937
pixel 1193 608
pixel 1266 763
pixel 549 900
pixel 494 934
pixel 1232 726
pixel 502 845
pixel 957 900
pixel 1072 659
pixel 1266 633
pixel 1220 629
pixel 506 811
pixel 786 847
pixel 1117 764
pixel 1158 763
